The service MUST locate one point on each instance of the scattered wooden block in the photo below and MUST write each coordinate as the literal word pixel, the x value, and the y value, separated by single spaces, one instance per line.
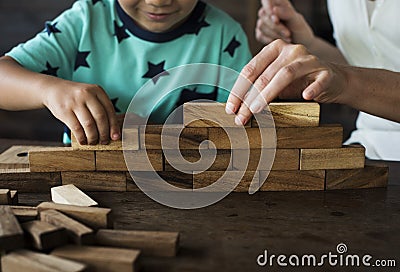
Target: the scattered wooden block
pixel 152 243
pixel 27 182
pixel 101 258
pixel 93 217
pixel 78 233
pixel 285 159
pixel 96 181
pixel 16 157
pixel 11 235
pixel 71 195
pixel 5 197
pixel 348 157
pixel 189 138
pixel 115 161
pixel 25 213
pixel 25 260
pixel 45 236
pixel 207 178
pixel 175 178
pixel 61 159
pixel 206 114
pixel 222 160
pixel 219 137
pixel 289 114
pixel 132 144
pixel 324 136
pixel 369 177
pixel 292 180
pixel 14 197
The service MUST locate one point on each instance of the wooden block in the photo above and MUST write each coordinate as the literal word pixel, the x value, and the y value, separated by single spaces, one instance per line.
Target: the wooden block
pixel 11 235
pixel 189 138
pixel 115 161
pixel 93 217
pixel 222 160
pixel 77 232
pixel 324 136
pixel 371 176
pixel 16 157
pixel 61 159
pixel 293 180
pixel 207 114
pixel 131 133
pixel 175 178
pixel 101 258
pixel 289 114
pixel 71 195
pixel 347 157
pixel 285 159
pixel 45 236
pixel 25 213
pixel 28 182
pixel 219 137
pixel 5 197
pixel 96 181
pixel 14 197
pixel 209 177
pixel 25 260
pixel 151 243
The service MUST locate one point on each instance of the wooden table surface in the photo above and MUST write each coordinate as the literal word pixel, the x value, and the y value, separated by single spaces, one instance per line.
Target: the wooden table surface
pixel 229 235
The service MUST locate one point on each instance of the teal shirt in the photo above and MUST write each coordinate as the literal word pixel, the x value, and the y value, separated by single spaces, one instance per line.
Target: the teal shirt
pixel 97 42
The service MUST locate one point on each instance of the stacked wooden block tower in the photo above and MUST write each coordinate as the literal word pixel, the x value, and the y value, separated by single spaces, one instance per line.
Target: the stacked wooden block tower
pixel 309 156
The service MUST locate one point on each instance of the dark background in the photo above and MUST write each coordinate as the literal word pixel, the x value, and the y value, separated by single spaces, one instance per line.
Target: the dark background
pixel 22 19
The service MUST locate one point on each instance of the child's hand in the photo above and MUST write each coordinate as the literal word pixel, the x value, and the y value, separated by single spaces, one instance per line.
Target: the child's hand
pixel 85 109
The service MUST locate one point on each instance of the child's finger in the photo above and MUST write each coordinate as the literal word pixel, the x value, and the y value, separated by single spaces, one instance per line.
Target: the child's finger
pixel 114 127
pixel 88 124
pixel 74 125
pixel 101 118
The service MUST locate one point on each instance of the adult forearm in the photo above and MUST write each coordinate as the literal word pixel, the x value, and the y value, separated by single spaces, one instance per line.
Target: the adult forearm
pixel 325 51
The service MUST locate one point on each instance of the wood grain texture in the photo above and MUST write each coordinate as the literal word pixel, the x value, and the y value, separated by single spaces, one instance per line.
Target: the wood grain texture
pixel 219 137
pixel 25 213
pixel 151 243
pixel 5 197
pixel 71 195
pixel 28 182
pixel 115 161
pixel 61 159
pixel 292 180
pixel 96 181
pixel 188 138
pixel 285 159
pixel 45 236
pixel 372 176
pixel 132 134
pixel 222 160
pixel 178 179
pixel 16 156
pixel 289 114
pixel 207 178
pixel 77 232
pixel 101 258
pixel 93 217
pixel 11 234
pixel 203 114
pixel 25 260
pixel 347 157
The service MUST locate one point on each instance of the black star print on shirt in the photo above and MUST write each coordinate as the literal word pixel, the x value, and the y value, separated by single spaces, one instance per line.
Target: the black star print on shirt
pixel 120 32
pixel 199 26
pixel 94 2
pixel 155 71
pixel 51 28
pixel 114 101
pixel 81 59
pixel 232 46
pixel 51 71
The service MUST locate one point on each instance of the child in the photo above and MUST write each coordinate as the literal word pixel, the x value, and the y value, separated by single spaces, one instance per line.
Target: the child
pixel 90 61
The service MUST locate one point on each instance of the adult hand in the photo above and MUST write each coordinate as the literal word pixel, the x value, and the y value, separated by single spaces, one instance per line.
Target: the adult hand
pixel 286 71
pixel 85 109
pixel 277 19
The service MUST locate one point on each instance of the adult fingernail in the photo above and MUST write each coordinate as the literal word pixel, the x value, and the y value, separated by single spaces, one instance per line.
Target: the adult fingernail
pixel 240 120
pixel 230 108
pixel 256 107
